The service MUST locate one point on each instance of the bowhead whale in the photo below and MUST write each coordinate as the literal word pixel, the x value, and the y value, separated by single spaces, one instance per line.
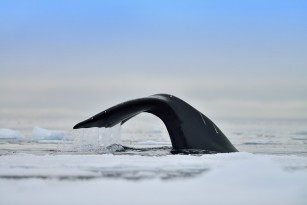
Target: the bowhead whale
pixel 187 127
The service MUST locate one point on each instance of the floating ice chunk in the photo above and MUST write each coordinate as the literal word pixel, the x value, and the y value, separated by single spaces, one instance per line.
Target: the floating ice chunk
pixel 40 134
pixel 10 135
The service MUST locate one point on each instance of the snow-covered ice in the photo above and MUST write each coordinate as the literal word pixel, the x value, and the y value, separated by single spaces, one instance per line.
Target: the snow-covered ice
pixel 237 178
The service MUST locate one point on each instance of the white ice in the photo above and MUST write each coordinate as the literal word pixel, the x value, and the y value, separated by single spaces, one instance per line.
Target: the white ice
pixel 10 135
pixel 41 134
pixel 237 178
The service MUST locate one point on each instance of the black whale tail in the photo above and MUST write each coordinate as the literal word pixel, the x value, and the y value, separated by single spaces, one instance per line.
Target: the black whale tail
pixel 187 127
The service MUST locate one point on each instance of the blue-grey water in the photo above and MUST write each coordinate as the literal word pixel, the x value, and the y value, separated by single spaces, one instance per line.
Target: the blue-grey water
pixel 146 135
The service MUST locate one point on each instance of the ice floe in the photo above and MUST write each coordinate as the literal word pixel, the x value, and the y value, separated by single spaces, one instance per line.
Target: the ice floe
pixel 237 178
pixel 43 135
pixel 9 135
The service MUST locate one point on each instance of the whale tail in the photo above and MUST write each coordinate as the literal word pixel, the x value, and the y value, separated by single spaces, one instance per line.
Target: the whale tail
pixel 117 114
pixel 187 127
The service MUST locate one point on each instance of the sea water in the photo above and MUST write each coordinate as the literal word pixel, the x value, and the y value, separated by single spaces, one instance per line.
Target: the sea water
pixel 267 136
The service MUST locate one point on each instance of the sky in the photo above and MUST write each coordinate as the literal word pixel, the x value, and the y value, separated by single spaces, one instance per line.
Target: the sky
pixel 230 59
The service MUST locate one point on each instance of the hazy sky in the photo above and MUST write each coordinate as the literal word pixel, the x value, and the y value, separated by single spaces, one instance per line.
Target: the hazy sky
pixel 228 58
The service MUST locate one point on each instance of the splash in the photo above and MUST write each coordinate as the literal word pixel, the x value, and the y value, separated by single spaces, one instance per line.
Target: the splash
pixel 97 140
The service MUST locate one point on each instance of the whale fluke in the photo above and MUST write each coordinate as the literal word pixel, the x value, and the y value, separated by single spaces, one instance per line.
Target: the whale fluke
pixel 187 127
